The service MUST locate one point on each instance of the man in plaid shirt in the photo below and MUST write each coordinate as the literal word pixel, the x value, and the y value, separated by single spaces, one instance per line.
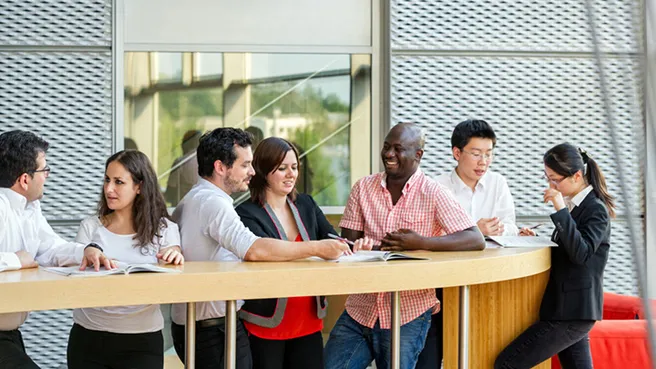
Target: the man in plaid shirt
pixel 403 210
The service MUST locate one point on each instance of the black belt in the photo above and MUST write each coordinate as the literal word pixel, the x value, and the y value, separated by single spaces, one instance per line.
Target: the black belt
pixel 212 322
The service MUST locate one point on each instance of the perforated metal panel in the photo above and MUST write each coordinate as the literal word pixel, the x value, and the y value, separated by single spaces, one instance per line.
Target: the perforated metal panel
pixel 67 231
pixel 619 275
pixel 541 89
pixel 67 99
pixel 45 334
pixel 508 25
pixel 55 23
pixel 532 103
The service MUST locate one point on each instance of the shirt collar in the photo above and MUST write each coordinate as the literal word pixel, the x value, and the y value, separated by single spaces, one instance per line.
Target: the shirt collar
pixel 578 199
pixel 408 185
pixel 16 200
pixel 456 180
pixel 204 183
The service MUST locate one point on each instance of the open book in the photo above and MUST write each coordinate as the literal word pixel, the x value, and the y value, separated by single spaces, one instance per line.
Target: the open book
pixel 122 268
pixel 376 256
pixel 521 241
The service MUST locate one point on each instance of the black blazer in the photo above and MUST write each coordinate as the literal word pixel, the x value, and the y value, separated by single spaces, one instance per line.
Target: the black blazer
pixel 575 288
pixel 268 312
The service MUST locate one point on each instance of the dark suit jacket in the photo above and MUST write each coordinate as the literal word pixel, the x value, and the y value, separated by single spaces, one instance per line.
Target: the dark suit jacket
pixel 258 221
pixel 575 287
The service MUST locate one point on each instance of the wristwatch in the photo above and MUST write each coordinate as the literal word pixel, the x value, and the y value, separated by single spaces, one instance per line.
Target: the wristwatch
pixel 94 245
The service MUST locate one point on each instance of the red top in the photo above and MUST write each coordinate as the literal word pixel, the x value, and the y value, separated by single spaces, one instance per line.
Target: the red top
pixel 300 319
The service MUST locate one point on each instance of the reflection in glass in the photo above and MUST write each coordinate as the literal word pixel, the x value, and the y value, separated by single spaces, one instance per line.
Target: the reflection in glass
pixel 168 67
pixel 172 98
pixel 207 65
pixel 305 116
pixel 275 65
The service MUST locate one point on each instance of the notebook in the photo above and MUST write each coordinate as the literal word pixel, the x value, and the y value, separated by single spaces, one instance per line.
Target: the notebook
pixel 122 268
pixel 376 256
pixel 521 241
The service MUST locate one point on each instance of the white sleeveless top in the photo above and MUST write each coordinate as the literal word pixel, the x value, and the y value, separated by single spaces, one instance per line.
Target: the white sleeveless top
pixel 123 319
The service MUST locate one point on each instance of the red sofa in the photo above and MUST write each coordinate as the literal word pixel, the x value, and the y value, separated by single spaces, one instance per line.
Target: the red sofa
pixel 620 340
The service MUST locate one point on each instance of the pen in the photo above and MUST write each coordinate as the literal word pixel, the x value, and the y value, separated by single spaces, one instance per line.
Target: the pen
pixel 536 226
pixel 341 239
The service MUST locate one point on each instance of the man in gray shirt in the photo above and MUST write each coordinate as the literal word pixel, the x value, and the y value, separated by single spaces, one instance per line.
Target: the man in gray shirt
pixel 210 229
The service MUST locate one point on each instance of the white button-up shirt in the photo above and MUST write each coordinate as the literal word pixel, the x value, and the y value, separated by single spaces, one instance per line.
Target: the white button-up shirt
pixel 23 227
pixel 578 198
pixel 210 230
pixel 490 198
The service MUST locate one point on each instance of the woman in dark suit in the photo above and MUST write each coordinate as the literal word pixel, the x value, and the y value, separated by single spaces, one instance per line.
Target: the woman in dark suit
pixel 283 332
pixel 573 299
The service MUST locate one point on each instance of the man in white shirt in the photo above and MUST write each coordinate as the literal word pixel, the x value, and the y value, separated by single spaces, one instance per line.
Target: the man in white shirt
pixel 210 229
pixel 26 239
pixel 483 194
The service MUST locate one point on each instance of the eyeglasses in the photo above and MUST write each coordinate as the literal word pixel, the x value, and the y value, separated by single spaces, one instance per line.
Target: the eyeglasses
pixel 45 170
pixel 555 182
pixel 479 156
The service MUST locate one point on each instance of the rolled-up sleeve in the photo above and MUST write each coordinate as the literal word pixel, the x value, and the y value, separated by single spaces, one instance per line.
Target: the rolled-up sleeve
pixel 228 230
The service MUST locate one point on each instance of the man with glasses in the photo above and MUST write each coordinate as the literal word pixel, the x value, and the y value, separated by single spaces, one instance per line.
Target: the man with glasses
pixel 26 239
pixel 483 194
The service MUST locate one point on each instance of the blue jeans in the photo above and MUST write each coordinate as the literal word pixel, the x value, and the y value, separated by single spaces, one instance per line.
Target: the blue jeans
pixel 354 346
pixel 544 339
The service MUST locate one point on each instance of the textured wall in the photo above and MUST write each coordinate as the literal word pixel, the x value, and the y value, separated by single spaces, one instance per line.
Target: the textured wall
pixel 528 69
pixel 56 80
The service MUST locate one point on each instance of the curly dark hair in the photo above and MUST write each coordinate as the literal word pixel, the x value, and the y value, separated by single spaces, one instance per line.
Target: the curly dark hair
pixel 219 144
pixel 18 153
pixel 149 212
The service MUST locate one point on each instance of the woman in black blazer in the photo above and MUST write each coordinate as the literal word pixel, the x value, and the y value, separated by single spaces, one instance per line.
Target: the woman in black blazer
pixel 283 332
pixel 573 299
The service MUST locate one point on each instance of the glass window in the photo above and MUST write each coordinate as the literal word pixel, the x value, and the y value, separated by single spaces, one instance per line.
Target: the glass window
pixel 207 66
pixel 168 67
pixel 307 99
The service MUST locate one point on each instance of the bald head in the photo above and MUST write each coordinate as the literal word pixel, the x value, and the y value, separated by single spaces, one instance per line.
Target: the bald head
pixel 409 133
pixel 402 150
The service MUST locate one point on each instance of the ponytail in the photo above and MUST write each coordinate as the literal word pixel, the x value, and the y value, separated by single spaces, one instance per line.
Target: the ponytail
pixel 565 159
pixel 596 179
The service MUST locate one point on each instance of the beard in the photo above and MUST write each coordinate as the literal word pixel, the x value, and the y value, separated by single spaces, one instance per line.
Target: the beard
pixel 235 185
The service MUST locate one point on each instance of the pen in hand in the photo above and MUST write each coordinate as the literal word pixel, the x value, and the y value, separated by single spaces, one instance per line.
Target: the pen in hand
pixel 536 226
pixel 336 237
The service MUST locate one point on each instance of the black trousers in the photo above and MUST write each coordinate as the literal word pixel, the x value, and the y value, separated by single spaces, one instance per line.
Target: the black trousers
pixel 210 345
pixel 431 355
pixel 297 353
pixel 544 339
pixel 89 349
pixel 12 351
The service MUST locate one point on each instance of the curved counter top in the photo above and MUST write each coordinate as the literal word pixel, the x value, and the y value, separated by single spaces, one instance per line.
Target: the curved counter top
pixel 205 281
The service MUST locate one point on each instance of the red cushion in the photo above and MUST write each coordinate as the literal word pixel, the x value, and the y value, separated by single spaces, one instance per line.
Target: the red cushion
pixel 618 344
pixel 621 307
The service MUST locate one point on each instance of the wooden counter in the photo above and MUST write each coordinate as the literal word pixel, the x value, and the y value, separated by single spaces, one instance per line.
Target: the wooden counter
pixel 504 300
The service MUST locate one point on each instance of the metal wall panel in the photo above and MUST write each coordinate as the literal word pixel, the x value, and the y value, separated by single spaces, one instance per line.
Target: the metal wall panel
pixel 528 69
pixel 510 25
pixel 67 99
pixel 532 103
pixel 619 275
pixel 45 334
pixel 55 23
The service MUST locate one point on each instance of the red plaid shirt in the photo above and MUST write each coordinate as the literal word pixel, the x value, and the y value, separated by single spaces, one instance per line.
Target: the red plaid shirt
pixel 425 207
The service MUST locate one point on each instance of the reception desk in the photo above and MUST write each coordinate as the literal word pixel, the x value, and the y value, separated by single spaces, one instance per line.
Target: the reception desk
pixel 495 293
